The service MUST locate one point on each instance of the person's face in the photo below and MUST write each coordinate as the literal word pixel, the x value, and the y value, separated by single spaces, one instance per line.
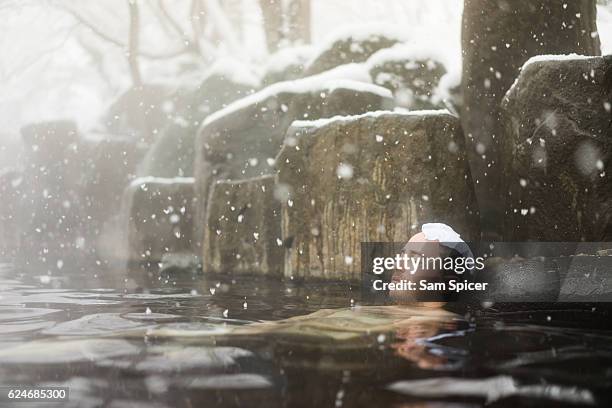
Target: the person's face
pixel 417 247
pixel 420 247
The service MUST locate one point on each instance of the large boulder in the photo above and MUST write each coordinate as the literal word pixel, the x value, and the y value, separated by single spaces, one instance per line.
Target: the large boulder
pixel 287 64
pixel 366 178
pixel 159 218
pixel 414 75
pixel 110 165
pixel 70 192
pixel 10 193
pixel 172 153
pixel 498 36
pixel 51 211
pixel 242 140
pixel 558 150
pixel 243 228
pixel 352 45
pixel 139 112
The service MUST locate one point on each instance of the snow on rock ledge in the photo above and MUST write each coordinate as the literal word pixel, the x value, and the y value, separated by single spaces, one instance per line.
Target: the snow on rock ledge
pixel 417 75
pixel 353 44
pixel 372 177
pixel 558 150
pixel 287 64
pixel 172 153
pixel 242 232
pixel 242 140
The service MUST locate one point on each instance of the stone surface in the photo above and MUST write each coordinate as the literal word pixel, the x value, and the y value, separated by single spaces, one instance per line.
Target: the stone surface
pixel 69 192
pixel 558 150
pixel 498 36
pixel 159 217
pixel 242 140
pixel 366 178
pixel 287 64
pixel 413 75
pixel 588 278
pixel 10 193
pixel 348 49
pixel 172 154
pixel 110 165
pixel 51 212
pixel 138 112
pixel 243 228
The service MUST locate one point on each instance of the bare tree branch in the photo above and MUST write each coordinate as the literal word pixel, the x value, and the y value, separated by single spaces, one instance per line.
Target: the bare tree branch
pixel 172 22
pixel 98 59
pixel 7 75
pixel 114 41
pixel 223 26
pixel 299 16
pixel 196 23
pixel 272 11
pixel 134 42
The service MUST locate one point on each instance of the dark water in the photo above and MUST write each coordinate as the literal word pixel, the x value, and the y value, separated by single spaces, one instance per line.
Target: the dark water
pixel 143 340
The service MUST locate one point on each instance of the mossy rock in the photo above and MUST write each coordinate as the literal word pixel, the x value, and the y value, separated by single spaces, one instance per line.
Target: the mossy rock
pixel 158 217
pixel 348 50
pixel 172 154
pixel 413 81
pixel 369 178
pixel 243 228
pixel 558 149
pixel 241 141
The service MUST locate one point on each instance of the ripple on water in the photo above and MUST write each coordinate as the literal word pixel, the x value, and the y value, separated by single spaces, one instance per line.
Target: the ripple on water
pixel 27 326
pixel 10 313
pixel 490 389
pixel 67 351
pixel 101 324
pixel 152 317
pixel 153 296
pixel 228 382
pixel 188 329
pixel 175 359
pixel 57 297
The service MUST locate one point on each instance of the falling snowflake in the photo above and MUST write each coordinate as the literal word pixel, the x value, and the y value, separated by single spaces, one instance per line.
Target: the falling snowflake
pixel 344 171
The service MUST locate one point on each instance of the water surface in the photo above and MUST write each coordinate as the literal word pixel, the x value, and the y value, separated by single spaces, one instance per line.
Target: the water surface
pixel 148 340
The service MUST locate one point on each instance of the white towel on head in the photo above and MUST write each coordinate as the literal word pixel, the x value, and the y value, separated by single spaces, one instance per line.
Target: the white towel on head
pixel 436 231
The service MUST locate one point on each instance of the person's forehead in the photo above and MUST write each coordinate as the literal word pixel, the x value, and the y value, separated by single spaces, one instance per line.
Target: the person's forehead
pixel 420 247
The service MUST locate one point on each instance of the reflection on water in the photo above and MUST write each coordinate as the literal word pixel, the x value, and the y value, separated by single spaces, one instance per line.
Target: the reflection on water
pixel 191 341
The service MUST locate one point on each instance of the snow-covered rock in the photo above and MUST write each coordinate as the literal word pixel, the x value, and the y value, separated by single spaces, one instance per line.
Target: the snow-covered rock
pixel 287 64
pixel 139 112
pixel 242 232
pixel 412 73
pixel 172 153
pixel 497 39
pixel 351 45
pixel 242 140
pixel 159 217
pixel 558 150
pixel 371 177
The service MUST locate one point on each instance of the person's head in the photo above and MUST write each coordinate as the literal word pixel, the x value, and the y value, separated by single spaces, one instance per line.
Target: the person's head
pixel 434 243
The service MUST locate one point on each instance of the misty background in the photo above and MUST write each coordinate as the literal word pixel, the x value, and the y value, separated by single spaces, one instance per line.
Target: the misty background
pixel 70 58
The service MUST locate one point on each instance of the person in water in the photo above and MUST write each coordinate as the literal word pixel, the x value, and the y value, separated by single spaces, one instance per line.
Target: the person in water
pixel 436 240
